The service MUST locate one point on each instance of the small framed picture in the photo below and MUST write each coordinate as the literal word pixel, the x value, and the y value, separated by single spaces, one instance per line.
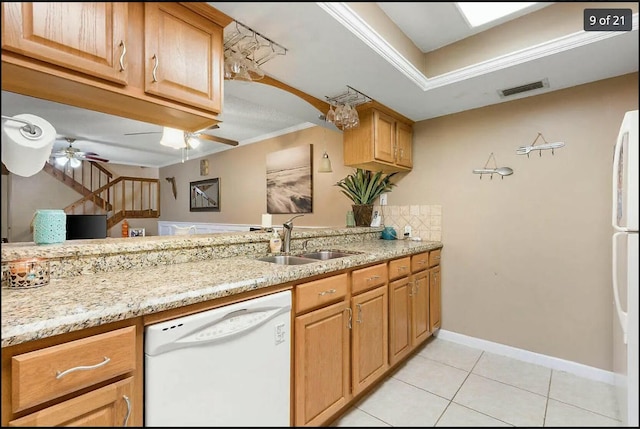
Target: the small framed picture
pixel 136 232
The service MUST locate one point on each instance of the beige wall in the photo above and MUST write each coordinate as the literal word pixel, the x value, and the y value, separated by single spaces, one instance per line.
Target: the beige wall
pixel 242 174
pixel 526 259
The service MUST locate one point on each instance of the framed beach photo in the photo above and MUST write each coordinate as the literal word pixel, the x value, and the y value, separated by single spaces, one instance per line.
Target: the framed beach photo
pixel 289 180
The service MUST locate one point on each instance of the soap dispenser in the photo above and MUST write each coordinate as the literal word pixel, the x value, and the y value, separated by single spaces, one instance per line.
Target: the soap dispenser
pixel 275 244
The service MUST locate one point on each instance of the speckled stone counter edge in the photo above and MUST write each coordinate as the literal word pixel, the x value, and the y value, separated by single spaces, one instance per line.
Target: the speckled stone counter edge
pixel 82 301
pixel 79 257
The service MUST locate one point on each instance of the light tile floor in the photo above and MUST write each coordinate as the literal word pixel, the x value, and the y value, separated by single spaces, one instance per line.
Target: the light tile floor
pixel 448 384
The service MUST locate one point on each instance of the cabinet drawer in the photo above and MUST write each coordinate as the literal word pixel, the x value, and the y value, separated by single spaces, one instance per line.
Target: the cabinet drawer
pixel 320 292
pixel 46 374
pixel 367 278
pixel 419 262
pixel 434 258
pixel 399 268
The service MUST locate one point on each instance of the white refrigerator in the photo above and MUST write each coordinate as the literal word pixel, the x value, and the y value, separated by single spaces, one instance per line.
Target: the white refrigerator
pixel 625 268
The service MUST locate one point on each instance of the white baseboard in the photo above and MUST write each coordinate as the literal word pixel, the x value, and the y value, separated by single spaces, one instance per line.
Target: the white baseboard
pixel 531 357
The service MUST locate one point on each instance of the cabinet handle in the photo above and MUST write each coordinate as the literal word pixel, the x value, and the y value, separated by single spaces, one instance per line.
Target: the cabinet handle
pixel 155 67
pixel 350 317
pixel 323 293
pixel 124 51
pixel 373 278
pixel 403 267
pixel 359 319
pixel 126 418
pixel 411 290
pixel 82 368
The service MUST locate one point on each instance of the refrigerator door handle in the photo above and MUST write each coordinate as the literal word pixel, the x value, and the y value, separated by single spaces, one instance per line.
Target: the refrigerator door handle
pixel 622 315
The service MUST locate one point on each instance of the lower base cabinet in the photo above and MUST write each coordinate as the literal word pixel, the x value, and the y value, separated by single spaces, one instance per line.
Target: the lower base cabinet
pixel 369 354
pixel 321 363
pixel 107 406
pixel 399 319
pixel 435 299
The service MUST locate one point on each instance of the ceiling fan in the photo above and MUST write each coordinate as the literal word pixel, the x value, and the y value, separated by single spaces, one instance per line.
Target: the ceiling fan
pixel 179 139
pixel 74 156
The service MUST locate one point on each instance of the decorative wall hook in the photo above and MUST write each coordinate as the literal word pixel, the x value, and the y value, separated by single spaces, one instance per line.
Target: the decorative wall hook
pixel 526 150
pixel 502 171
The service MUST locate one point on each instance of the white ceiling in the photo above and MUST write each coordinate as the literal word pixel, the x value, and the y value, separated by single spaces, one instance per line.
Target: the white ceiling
pixel 325 54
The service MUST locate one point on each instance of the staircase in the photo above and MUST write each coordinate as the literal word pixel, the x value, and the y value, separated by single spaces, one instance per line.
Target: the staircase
pixel 120 198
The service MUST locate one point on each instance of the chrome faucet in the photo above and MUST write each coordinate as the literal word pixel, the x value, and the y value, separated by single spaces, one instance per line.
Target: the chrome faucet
pixel 288 227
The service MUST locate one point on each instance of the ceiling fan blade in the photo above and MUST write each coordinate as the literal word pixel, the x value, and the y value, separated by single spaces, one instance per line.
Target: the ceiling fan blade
pixel 218 139
pixel 95 158
pixel 212 127
pixel 146 132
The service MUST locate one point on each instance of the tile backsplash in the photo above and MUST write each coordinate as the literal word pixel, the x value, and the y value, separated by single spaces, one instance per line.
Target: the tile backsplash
pixel 425 220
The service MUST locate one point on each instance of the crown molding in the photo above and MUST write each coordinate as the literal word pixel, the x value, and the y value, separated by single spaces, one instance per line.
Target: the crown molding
pixel 354 23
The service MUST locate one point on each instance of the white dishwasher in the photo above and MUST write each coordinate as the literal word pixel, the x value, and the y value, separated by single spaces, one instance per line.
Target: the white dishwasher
pixel 229 366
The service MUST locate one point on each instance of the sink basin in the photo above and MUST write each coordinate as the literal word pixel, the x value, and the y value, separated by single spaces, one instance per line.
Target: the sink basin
pixel 327 254
pixel 286 260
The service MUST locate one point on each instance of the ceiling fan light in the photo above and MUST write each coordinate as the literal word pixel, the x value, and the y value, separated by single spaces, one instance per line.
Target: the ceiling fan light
pixel 75 162
pixel 193 141
pixel 172 137
pixel 62 161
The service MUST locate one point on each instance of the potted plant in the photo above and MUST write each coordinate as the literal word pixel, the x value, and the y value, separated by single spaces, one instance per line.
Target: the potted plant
pixel 363 187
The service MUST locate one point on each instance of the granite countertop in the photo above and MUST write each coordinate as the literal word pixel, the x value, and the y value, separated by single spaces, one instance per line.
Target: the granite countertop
pixel 74 303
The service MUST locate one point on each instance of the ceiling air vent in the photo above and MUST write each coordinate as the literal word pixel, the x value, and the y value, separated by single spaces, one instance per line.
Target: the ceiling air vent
pixel 544 83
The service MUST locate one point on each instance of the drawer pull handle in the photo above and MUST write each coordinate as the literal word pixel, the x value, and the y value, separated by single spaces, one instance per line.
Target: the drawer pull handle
pixel 403 267
pixel 325 292
pixel 373 278
pixel 359 319
pixel 83 368
pixel 126 418
pixel 350 317
pixel 422 262
pixel 155 67
pixel 124 51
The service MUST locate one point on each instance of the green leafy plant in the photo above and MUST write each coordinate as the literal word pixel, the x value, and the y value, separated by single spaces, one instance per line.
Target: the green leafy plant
pixel 364 186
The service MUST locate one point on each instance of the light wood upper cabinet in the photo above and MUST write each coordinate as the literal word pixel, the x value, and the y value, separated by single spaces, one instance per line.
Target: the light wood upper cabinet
pixel 87 37
pixel 157 62
pixel 183 56
pixel 404 141
pixel 382 142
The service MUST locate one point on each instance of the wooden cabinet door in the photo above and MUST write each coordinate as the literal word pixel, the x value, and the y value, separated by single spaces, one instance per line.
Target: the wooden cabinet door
pixel 108 406
pixel 404 141
pixel 383 137
pixel 419 308
pixel 322 356
pixel 369 355
pixel 85 37
pixel 435 298
pixel 183 56
pixel 399 319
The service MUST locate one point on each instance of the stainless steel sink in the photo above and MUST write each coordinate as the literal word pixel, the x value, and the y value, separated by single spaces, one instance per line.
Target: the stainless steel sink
pixel 324 255
pixel 306 258
pixel 286 260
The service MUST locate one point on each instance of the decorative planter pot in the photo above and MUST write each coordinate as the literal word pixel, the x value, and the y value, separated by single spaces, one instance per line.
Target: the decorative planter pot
pixel 363 214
